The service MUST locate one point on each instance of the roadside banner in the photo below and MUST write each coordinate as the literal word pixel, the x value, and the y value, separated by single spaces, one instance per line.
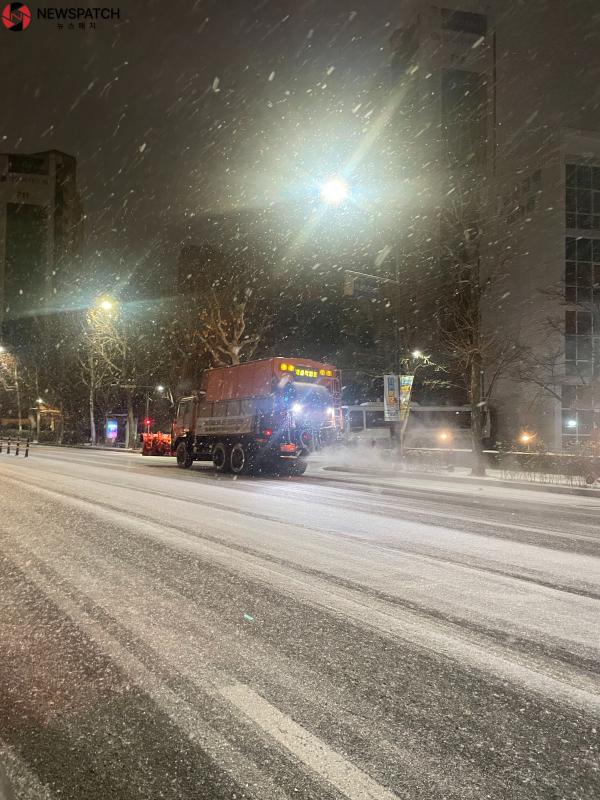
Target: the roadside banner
pixel 406 382
pixel 391 398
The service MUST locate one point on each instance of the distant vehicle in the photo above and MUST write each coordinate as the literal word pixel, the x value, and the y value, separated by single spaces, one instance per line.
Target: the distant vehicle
pixel 427 426
pixel 265 415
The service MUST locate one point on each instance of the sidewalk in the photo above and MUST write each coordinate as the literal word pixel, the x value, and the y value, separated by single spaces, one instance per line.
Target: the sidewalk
pixel 460 475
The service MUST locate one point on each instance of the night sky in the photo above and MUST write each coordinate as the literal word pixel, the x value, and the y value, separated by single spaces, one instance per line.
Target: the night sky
pixel 189 118
pixel 183 111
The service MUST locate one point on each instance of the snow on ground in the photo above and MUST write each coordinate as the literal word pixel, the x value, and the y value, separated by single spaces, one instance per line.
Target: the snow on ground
pixel 319 600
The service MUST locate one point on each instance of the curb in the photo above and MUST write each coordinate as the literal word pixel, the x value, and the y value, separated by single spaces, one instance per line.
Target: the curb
pixel 580 491
pixel 86 447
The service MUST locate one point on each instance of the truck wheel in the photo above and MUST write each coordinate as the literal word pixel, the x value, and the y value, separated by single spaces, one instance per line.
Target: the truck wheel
pixel 184 457
pixel 294 467
pixel 220 458
pixel 299 467
pixel 240 460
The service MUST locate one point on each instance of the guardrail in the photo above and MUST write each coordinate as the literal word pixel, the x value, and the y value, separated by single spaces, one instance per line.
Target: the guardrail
pixel 555 468
pixel 16 447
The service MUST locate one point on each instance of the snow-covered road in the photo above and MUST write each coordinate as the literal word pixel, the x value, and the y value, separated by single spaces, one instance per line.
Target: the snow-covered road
pixel 184 635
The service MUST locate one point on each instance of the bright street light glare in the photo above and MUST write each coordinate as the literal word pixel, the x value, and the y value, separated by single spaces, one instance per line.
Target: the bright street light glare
pixel 297 408
pixel 2 349
pixel 39 400
pixel 334 191
pixel 106 305
pixel 417 354
pixel 160 388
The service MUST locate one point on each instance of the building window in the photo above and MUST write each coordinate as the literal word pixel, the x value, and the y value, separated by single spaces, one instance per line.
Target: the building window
pixel 28 165
pixel 582 199
pixel 582 271
pixel 580 400
pixel 464 22
pixel 580 414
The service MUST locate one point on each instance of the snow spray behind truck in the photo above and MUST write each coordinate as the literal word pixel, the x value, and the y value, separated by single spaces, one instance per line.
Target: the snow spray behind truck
pixel 264 415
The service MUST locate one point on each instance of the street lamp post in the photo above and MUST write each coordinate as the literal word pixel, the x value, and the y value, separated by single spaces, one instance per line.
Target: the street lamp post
pixel 100 311
pixel 38 418
pixel 160 389
pixel 334 192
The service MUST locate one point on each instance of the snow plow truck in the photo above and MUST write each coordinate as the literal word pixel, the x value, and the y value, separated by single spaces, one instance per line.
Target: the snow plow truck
pixel 259 416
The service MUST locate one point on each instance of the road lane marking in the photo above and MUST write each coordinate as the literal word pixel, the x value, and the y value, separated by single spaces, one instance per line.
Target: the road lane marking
pixel 546 678
pixel 352 782
pixel 222 752
pixel 310 750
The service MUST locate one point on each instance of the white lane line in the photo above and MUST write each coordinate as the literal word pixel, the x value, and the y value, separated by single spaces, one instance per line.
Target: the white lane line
pixel 545 677
pixel 310 750
pixel 243 771
pixel 352 782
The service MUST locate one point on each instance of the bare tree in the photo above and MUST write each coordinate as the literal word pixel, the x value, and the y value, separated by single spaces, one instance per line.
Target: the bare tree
pixel 48 369
pixel 229 293
pixel 475 348
pixel 10 379
pixel 110 355
pixel 225 328
pixel 96 370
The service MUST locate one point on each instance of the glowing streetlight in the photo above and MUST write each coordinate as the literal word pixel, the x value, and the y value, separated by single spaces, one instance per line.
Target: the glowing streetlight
pixel 417 354
pixel 106 305
pixel 2 349
pixel 160 388
pixel 526 438
pixel 39 401
pixel 334 191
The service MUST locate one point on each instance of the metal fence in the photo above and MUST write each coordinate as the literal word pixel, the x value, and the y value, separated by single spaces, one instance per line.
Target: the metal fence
pixel 538 467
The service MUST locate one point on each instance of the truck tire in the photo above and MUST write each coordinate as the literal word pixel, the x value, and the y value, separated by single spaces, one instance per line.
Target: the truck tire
pixel 220 457
pixel 240 459
pixel 299 467
pixel 183 455
pixel 294 468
